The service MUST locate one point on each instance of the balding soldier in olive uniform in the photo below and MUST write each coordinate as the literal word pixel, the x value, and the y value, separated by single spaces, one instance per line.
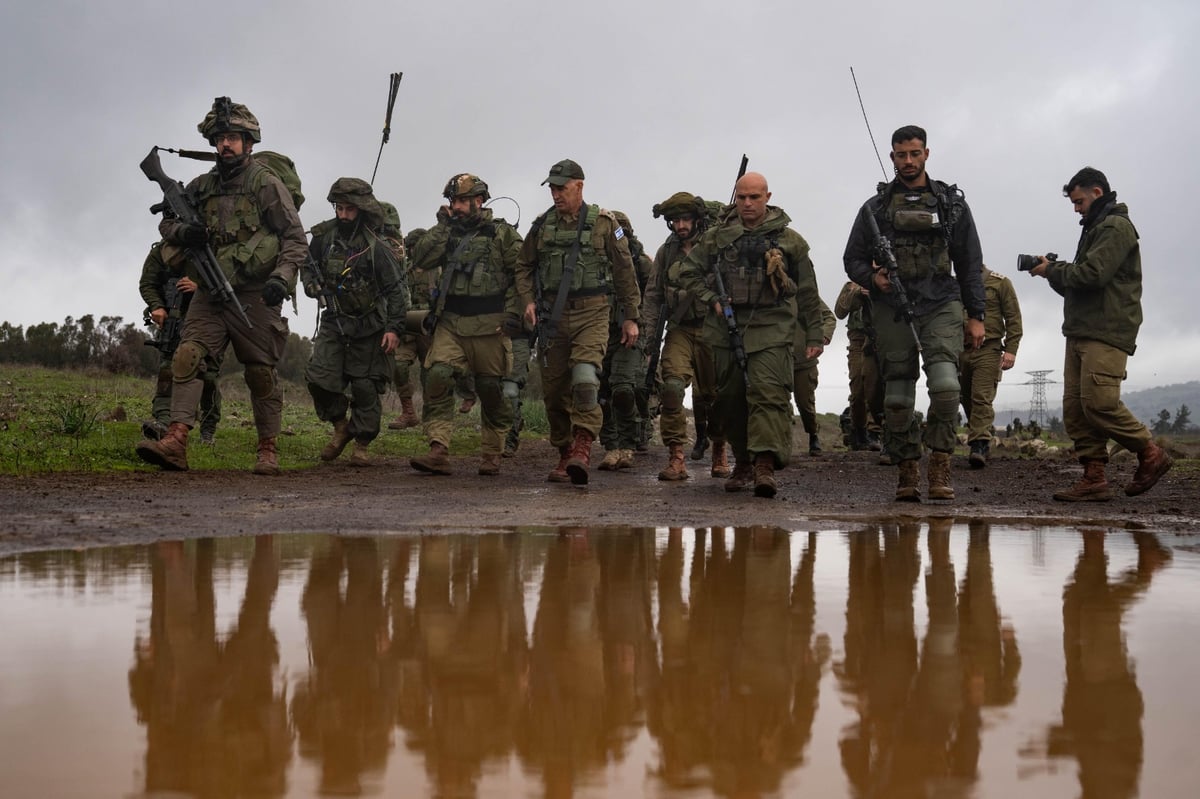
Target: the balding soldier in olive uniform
pixel 979 369
pixel 687 359
pixel 168 293
pixel 769 278
pixel 477 255
pixel 939 259
pixel 366 299
pixel 575 256
pixel 805 376
pixel 252 225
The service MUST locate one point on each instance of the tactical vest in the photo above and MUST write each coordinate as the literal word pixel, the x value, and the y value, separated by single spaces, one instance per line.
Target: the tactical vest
pixel 919 237
pixel 682 307
pixel 743 265
pixel 593 272
pixel 478 271
pixel 349 269
pixel 245 248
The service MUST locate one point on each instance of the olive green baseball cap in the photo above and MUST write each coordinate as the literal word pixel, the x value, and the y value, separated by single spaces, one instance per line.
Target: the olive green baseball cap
pixel 565 170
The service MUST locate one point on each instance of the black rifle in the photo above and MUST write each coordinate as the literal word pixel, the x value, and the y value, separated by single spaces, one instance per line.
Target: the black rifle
pixel 176 202
pixel 655 345
pixel 736 342
pixel 166 338
pixel 883 252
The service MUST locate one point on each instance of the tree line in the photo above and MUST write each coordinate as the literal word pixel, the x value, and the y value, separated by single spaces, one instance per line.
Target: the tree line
pixel 112 345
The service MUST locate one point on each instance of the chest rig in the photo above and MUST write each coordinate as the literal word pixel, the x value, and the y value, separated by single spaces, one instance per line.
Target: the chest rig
pixel 246 250
pixel 592 273
pixel 349 267
pixel 920 233
pixel 743 265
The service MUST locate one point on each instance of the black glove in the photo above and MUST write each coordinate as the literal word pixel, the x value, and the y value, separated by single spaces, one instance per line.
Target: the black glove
pixel 193 235
pixel 274 292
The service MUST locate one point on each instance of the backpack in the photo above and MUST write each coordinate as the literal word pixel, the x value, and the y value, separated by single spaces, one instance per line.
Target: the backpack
pixel 283 168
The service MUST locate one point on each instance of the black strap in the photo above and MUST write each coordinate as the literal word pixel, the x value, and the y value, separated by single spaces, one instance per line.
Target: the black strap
pixel 453 264
pixel 564 288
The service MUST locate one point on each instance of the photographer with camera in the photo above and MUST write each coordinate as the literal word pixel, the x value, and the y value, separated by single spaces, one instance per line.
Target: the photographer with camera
pixel 1102 311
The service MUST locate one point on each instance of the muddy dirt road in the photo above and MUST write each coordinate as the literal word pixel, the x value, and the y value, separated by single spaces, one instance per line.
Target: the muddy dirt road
pixel 838 490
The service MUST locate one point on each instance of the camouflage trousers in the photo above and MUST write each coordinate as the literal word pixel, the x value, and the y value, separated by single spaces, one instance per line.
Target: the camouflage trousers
pixel 359 364
pixel 210 398
pixel 623 376
pixel 866 389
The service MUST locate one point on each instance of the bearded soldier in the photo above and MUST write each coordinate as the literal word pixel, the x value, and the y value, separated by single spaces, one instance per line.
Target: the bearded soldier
pixel 471 315
pixel 687 359
pixel 928 226
pixel 366 297
pixel 769 285
pixel 575 256
pixel 250 222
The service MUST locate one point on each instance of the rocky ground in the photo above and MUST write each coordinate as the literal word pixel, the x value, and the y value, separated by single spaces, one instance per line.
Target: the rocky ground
pixel 836 490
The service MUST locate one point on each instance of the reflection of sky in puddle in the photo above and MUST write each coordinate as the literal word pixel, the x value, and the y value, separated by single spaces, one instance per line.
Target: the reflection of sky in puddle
pixel 624 662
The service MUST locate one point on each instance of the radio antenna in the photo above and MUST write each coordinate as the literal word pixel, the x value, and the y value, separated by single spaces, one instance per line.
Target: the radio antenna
pixel 869 133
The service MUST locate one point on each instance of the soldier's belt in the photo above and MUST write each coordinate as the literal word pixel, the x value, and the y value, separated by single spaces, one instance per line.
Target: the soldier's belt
pixel 474 306
pixel 584 299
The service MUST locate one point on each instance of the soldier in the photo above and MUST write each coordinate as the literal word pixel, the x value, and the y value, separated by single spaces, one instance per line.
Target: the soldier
pixel 769 283
pixel 929 226
pixel 687 359
pixel 477 255
pixel 804 377
pixel 413 346
pixel 979 369
pixel 366 299
pixel 623 399
pixel 251 223
pixel 866 391
pixel 513 385
pixel 575 256
pixel 168 292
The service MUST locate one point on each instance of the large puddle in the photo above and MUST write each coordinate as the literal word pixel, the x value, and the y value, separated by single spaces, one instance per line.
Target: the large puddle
pixel 912 661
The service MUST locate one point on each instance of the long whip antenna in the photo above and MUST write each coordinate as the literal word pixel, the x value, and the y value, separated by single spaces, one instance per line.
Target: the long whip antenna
pixel 393 88
pixel 869 133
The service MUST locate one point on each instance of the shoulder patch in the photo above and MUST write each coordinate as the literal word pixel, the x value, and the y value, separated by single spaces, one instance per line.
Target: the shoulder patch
pixel 619 233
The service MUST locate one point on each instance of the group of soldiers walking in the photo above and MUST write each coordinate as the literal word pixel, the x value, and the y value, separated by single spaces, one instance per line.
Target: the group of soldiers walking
pixel 732 288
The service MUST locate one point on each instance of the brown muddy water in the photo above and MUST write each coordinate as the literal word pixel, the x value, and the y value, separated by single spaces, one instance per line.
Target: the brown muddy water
pixel 897 661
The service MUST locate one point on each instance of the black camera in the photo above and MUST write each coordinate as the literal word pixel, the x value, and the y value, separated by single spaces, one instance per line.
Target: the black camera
pixel 1028 262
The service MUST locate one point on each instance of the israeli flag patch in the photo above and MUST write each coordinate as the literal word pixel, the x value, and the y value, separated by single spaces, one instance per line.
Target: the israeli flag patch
pixel 619 233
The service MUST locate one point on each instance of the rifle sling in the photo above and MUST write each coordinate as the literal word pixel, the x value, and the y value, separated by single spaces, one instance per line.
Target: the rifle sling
pixel 564 288
pixel 453 264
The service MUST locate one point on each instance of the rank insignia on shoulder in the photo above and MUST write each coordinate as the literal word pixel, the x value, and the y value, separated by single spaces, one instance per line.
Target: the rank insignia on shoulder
pixel 619 233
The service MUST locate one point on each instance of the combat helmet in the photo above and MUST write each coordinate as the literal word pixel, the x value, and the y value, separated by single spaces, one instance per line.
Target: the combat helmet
pixel 466 185
pixel 357 192
pixel 227 116
pixel 681 203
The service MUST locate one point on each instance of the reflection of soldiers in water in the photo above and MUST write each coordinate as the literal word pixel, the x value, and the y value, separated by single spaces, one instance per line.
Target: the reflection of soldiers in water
pixel 472 623
pixel 1102 705
pixel 627 628
pixel 562 734
pixel 342 709
pixel 215 725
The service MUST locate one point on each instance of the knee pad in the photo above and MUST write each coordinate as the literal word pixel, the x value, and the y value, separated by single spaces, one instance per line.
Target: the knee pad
pixel 439 381
pixel 401 373
pixel 900 395
pixel 585 386
pixel 671 397
pixel 584 373
pixel 624 399
pixel 511 389
pixel 943 378
pixel 186 363
pixel 260 379
pixel 488 389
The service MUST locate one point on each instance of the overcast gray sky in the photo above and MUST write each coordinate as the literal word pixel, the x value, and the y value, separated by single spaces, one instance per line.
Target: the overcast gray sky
pixel 650 97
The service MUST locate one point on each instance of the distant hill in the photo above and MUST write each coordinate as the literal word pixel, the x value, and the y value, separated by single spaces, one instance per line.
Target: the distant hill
pixel 1145 404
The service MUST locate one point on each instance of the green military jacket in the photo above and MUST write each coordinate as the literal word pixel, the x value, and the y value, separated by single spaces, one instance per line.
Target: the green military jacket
pixel 1002 322
pixel 475 262
pixel 664 289
pixel 370 291
pixel 768 319
pixel 1102 288
pixel 855 308
pixel 828 326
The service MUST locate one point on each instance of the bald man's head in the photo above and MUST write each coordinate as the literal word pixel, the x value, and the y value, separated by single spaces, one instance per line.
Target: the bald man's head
pixel 750 195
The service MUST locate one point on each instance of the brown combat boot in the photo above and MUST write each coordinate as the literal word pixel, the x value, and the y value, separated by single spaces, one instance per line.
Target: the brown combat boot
pixel 624 459
pixel 611 458
pixel 908 489
pixel 436 461
pixel 168 452
pixel 559 473
pixel 268 457
pixel 764 476
pixel 466 405
pixel 359 456
pixel 407 418
pixel 581 457
pixel 720 461
pixel 1153 463
pixel 676 469
pixel 489 465
pixel 742 476
pixel 939 476
pixel 341 437
pixel 1093 487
